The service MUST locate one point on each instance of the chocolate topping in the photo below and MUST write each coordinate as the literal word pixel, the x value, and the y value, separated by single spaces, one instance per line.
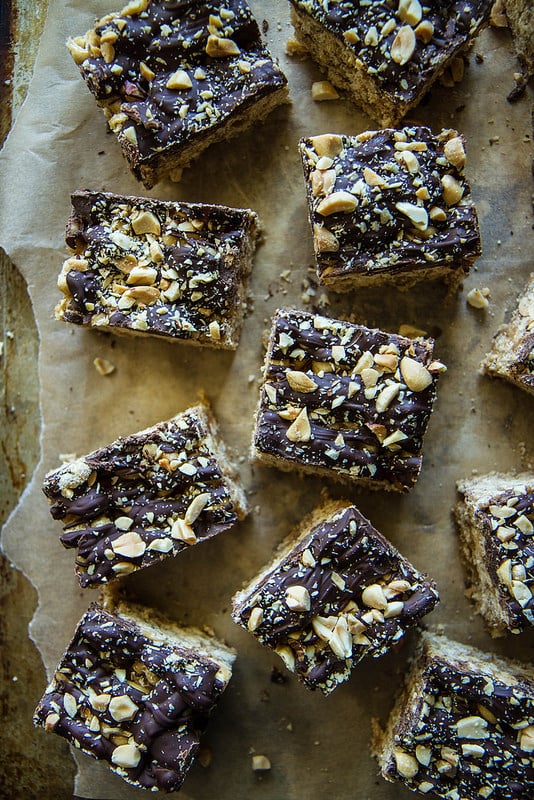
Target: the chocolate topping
pixel 176 270
pixel 506 522
pixel 174 72
pixel 359 401
pixel 142 498
pixel 115 687
pixel 470 733
pixel 369 29
pixel 403 216
pixel 342 568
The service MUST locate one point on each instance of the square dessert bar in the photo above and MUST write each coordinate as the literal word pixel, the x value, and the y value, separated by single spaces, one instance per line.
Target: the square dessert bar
pixel 494 517
pixel 136 690
pixel 149 267
pixel 390 206
pixel 172 78
pixel 336 592
pixel 512 354
pixel 463 729
pixel 345 401
pixel 386 56
pixel 146 496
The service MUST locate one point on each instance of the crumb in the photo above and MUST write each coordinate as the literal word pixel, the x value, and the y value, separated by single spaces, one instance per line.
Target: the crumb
pixel 260 763
pixel 103 366
pixel 295 49
pixel 478 298
pixel 323 90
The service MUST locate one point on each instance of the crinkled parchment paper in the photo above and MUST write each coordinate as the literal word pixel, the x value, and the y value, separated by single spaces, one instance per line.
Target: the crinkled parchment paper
pixel 318 746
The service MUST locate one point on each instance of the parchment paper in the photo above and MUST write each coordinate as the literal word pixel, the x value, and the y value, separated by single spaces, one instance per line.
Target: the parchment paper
pixel 318 747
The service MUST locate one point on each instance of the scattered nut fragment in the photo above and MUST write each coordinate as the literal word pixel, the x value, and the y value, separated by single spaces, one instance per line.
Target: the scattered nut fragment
pixel 322 181
pixel 374 597
pixel 472 728
pixel 126 755
pixel 218 47
pixel 146 72
pixel 372 178
pixel 300 382
pixel 298 598
pixel 196 507
pixel 322 91
pixel 103 366
pixel 286 654
pixel 410 11
pixel 423 754
pixel 146 222
pixel 415 375
pixel 130 134
pixel 142 276
pixel 145 295
pixel 69 704
pixel 78 49
pixel 328 144
pixel 296 49
pixel 526 739
pixel 51 721
pixel 300 429
pixel 386 396
pixel 452 190
pixel 478 298
pixel 214 330
pixel 129 545
pixel 108 52
pixel 260 763
pixel 417 215
pixel 407 765
pixel 336 203
pixel 324 240
pixel 182 530
pixel 455 152
pixel 121 707
pixel 403 45
pixel 424 31
pixel 179 80
pixel 255 619
pixel 437 214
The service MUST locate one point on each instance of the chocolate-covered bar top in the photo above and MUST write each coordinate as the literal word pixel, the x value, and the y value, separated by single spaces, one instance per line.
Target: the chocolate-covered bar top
pixel 401 66
pixel 115 687
pixel 471 734
pixel 216 49
pixel 363 398
pixel 169 269
pixel 506 522
pixel 334 564
pixel 142 498
pixel 389 200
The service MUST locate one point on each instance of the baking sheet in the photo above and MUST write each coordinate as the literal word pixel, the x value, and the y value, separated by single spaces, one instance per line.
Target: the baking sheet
pixel 318 746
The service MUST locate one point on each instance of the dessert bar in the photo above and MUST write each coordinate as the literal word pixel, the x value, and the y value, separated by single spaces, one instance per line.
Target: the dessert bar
pixel 345 401
pixel 146 497
pixel 386 56
pixel 135 690
pixel 494 517
pixel 173 270
pixel 336 592
pixel 463 727
pixel 512 354
pixel 390 206
pixel 172 78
